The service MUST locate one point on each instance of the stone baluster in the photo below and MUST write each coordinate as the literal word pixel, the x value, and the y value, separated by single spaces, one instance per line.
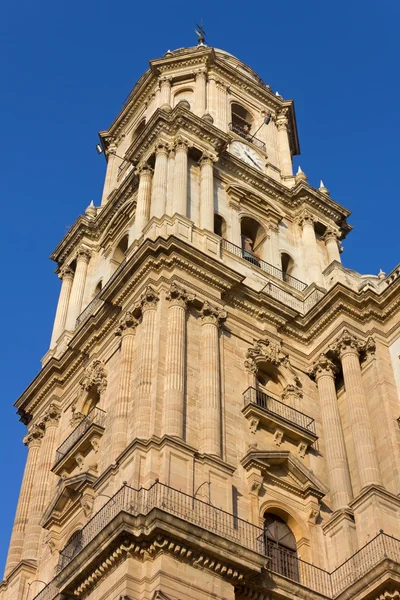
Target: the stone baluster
pixel 180 178
pixel 309 239
pixel 207 192
pixel 323 370
pixel 222 105
pixel 348 348
pixel 332 246
pixel 126 329
pixel 165 92
pixel 210 437
pixel 174 394
pixel 33 441
pixel 285 155
pixel 42 486
pixel 142 408
pixel 67 276
pixel 78 288
pixel 159 191
pixel 143 200
pixel 201 93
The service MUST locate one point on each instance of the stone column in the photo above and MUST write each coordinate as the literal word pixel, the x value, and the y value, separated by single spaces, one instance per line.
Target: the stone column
pixel 143 200
pixel 174 393
pixel 159 191
pixel 142 408
pixel 201 93
pixel 207 192
pixel 180 178
pixel 222 105
pixel 210 435
pixel 42 484
pixel 332 246
pixel 212 99
pixel 336 458
pixel 113 163
pixel 274 255
pixel 67 276
pixel 33 441
pixel 311 255
pixel 126 329
pixel 285 155
pixel 348 348
pixel 78 288
pixel 170 182
pixel 235 236
pixel 165 92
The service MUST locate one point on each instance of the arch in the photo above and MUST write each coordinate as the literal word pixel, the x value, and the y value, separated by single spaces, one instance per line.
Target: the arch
pixel 138 129
pixel 287 264
pixel 269 380
pixel 242 121
pixel 98 288
pixel 281 546
pixel 254 238
pixel 72 547
pixel 220 226
pixel 183 94
pixel 119 253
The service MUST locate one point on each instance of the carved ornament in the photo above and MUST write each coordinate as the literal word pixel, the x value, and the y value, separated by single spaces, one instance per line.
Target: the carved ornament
pixel 127 323
pixel 212 315
pixel 178 296
pixel 95 376
pixel 34 436
pixel 149 299
pixel 322 366
pixel 52 416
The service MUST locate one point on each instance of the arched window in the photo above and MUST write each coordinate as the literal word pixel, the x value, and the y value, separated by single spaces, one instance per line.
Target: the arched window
pixel 241 121
pixel 287 263
pixel 98 288
pixel 119 253
pixel 71 549
pixel 186 94
pixel 138 130
pixel 280 546
pixel 253 238
pixel 219 226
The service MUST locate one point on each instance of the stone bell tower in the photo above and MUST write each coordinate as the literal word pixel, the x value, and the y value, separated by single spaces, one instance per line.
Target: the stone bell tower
pixel 217 416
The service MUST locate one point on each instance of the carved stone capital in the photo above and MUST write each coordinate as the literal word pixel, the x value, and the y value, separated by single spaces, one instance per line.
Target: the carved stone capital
pixel 66 273
pixel 181 145
pixel 305 218
pixel 161 148
pixel 212 315
pixel 144 170
pixel 149 299
pixel 208 159
pixel 83 253
pixel 95 376
pixel 127 324
pixel 34 436
pixel 52 416
pixel 178 296
pixel 331 234
pixel 347 343
pixel 200 74
pixel 321 367
pixel 165 81
pixel 282 121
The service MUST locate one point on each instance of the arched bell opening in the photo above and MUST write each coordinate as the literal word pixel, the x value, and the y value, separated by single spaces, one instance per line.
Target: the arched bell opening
pixel 253 240
pixel 98 288
pixel 280 546
pixel 220 226
pixel 119 253
pixel 242 121
pixel 139 129
pixel 268 381
pixel 287 265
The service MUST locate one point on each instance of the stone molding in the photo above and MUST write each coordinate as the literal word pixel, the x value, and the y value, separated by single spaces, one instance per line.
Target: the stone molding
pixel 95 375
pixel 348 342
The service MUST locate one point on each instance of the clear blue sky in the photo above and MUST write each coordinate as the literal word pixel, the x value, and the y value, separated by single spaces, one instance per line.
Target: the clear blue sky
pixel 66 68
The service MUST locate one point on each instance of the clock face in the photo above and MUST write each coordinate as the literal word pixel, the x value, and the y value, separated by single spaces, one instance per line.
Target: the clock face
pixel 247 154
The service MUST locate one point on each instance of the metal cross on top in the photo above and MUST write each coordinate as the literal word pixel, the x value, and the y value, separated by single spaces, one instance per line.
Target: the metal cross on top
pixel 201 34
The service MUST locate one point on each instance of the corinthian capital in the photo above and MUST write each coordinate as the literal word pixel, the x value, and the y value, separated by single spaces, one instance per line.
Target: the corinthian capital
pixel 322 366
pixel 282 120
pixel 83 253
pixel 213 315
pixel 66 273
pixel 331 234
pixel 34 436
pixel 347 343
pixel 127 323
pixel 208 159
pixel 181 145
pixel 52 416
pixel 149 299
pixel 178 296
pixel 305 218
pixel 143 169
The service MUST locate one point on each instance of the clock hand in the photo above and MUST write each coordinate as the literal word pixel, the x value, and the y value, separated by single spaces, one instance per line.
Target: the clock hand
pixel 249 156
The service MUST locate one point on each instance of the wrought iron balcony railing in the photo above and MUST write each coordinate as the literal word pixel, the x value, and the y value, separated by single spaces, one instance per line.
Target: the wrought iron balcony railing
pixel 91 307
pixel 95 417
pixel 283 563
pixel 270 269
pixel 243 129
pixel 275 407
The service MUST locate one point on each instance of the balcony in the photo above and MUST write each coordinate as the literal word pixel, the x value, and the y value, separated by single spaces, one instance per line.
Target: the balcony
pixel 242 128
pixel 264 266
pixel 276 415
pixel 282 566
pixel 82 438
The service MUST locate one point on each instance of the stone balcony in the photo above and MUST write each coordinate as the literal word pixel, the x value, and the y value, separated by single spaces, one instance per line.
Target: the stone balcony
pixel 81 440
pixel 278 417
pixel 146 522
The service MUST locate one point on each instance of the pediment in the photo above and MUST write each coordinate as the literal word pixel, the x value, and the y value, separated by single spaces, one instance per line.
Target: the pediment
pixel 283 469
pixel 70 492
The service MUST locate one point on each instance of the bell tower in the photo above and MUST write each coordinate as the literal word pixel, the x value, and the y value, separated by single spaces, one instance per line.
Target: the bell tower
pixel 215 417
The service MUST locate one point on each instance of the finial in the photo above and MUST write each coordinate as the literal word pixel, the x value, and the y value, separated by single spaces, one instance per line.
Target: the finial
pixel 300 176
pixel 381 274
pixel 322 188
pixel 201 34
pixel 168 53
pixel 278 94
pixel 91 210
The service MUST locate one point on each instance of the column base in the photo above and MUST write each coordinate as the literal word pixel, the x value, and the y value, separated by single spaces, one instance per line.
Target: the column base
pixel 14 586
pixel 374 509
pixel 341 542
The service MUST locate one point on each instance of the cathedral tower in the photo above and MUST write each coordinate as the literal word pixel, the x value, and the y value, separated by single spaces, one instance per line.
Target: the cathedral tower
pixel 217 414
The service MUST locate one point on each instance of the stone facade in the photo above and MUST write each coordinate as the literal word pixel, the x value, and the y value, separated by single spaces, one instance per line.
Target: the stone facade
pixel 217 415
